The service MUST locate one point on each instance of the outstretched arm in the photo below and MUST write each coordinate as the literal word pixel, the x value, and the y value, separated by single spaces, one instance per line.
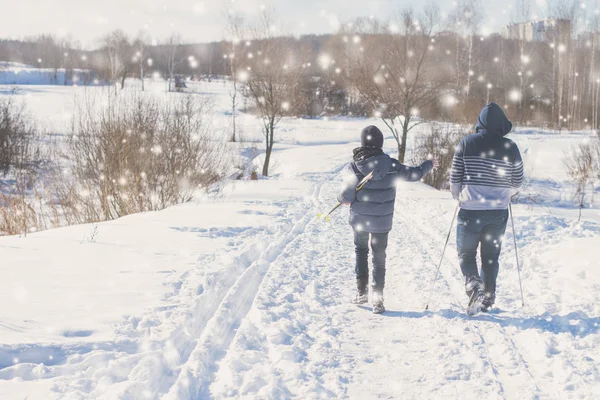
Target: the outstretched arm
pixel 458 171
pixel 348 193
pixel 412 174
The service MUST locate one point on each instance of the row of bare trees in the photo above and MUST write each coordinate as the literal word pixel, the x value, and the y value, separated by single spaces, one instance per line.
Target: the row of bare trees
pixel 416 67
pixel 556 82
pixel 391 70
pixel 410 68
pixel 116 58
pixel 553 82
pixel 123 57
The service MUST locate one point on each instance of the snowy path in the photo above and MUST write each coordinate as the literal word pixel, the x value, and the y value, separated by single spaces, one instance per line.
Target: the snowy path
pixel 196 374
pixel 304 336
pixel 525 349
pixel 269 318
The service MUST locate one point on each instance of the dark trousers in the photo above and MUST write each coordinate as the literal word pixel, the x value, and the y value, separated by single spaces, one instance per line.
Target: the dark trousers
pixel 485 228
pixel 378 242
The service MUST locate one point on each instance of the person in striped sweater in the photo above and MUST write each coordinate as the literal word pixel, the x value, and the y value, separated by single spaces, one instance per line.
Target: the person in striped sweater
pixel 487 170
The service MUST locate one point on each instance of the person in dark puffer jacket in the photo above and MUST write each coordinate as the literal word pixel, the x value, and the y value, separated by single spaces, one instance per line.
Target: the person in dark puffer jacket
pixel 372 208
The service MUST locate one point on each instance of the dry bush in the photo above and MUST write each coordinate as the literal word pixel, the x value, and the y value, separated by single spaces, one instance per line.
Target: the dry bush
pixel 19 167
pixel 16 133
pixel 133 153
pixel 528 194
pixel 582 164
pixel 440 142
pixel 16 213
pixel 24 205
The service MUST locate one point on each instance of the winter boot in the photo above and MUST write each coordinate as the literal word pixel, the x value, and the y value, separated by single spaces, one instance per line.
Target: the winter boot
pixel 377 299
pixel 472 285
pixel 362 291
pixel 474 289
pixel 488 302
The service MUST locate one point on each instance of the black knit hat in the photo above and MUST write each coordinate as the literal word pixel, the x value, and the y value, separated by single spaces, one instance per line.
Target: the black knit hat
pixel 371 136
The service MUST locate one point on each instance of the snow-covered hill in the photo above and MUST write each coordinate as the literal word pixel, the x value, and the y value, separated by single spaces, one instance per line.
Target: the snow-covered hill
pixel 246 295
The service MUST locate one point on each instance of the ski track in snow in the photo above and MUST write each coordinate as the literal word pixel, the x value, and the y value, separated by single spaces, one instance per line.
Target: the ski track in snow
pixel 472 357
pixel 288 347
pixel 195 377
pixel 507 359
pixel 496 356
pixel 178 346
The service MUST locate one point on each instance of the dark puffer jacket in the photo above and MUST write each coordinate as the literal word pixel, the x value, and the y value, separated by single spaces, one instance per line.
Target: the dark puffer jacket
pixel 372 208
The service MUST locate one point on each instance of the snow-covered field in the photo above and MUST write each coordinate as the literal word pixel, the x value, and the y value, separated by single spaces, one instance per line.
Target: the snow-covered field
pixel 246 295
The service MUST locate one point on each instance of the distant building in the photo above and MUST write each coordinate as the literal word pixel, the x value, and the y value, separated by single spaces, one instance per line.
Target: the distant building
pixel 589 39
pixel 547 30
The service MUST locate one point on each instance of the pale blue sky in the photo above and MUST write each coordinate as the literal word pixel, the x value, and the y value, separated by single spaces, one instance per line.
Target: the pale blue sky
pixel 202 20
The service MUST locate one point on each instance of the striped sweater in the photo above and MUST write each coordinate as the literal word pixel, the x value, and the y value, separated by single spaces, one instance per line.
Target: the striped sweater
pixel 487 168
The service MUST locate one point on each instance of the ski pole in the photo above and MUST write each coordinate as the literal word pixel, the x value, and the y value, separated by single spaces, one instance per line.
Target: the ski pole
pixel 329 213
pixel 512 220
pixel 437 273
pixel 358 187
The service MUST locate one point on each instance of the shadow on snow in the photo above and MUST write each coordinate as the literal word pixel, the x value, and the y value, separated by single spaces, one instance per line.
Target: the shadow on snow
pixel 576 323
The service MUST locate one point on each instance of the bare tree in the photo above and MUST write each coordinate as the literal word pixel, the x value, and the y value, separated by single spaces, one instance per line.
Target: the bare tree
pixel 235 32
pixel 173 58
pixel 140 46
pixel 522 11
pixel 395 71
pixel 524 74
pixel 115 48
pixel 369 26
pixel 564 60
pixel 66 48
pixel 49 54
pixel 466 21
pixel 274 73
pixel 581 164
pixel 592 85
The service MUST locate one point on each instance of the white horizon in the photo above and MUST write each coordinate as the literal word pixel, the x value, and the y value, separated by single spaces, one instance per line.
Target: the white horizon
pixel 204 21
